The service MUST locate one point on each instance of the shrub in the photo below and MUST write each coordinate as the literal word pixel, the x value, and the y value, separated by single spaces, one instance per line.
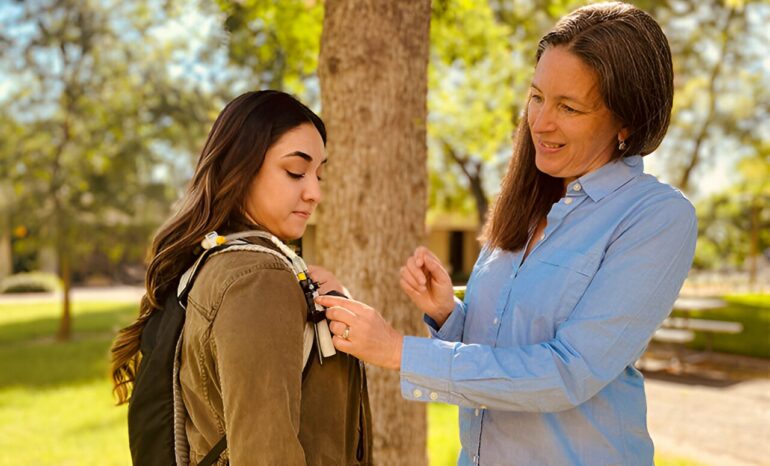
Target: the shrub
pixel 30 282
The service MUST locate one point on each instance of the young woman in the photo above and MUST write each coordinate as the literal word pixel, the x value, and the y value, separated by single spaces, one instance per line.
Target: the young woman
pixel 584 255
pixel 242 371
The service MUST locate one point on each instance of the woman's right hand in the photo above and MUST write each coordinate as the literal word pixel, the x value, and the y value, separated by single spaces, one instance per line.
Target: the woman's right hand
pixel 428 285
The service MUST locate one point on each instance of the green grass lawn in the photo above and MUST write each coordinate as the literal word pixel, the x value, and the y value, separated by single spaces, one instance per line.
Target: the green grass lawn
pixel 751 310
pixel 55 397
pixel 56 406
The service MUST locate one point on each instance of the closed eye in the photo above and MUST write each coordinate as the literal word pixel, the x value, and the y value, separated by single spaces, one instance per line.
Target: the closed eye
pixel 569 109
pixel 296 176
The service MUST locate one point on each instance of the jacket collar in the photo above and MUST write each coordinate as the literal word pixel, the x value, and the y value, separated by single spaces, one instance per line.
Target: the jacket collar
pixel 608 178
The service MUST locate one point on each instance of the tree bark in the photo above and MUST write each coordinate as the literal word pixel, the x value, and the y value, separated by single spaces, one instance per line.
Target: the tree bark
pixel 373 73
pixel 64 332
pixel 472 171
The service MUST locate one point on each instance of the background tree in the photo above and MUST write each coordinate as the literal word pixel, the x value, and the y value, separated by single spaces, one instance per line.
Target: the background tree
pixel 373 72
pixel 97 116
pixel 719 47
pixel 274 44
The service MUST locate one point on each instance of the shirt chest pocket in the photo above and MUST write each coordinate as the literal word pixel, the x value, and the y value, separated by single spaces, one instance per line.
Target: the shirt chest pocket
pixel 561 279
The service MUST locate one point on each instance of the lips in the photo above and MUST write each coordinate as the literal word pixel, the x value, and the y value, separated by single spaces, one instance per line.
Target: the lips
pixel 549 146
pixel 301 213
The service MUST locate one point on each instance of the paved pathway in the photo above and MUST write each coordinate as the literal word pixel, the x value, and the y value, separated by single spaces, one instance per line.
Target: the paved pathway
pixel 719 423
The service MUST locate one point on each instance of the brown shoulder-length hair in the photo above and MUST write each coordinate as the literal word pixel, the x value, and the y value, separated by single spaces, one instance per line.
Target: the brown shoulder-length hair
pixel 230 159
pixel 632 60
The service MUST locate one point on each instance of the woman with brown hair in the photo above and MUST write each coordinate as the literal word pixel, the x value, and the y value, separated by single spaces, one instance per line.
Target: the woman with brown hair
pixel 244 374
pixel 583 257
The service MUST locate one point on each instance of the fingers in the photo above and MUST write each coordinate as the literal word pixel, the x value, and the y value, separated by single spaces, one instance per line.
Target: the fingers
pixel 342 344
pixel 341 314
pixel 413 274
pixel 414 266
pixel 330 301
pixel 407 283
pixel 338 328
pixel 410 291
pixel 436 270
pixel 424 253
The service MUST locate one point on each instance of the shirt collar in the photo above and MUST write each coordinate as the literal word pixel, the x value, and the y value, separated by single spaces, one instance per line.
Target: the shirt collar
pixel 608 178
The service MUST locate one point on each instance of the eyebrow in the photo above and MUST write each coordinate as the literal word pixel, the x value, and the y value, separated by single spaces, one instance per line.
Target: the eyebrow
pixel 565 97
pixel 302 155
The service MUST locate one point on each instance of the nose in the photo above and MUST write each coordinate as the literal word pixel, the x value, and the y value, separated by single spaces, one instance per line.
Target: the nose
pixel 312 190
pixel 541 119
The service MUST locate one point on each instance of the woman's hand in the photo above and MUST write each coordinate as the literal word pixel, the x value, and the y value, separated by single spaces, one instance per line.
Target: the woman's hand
pixel 428 285
pixel 326 280
pixel 361 331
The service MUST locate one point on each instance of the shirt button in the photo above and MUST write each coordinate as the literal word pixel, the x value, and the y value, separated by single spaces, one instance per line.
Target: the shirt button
pixel 433 396
pixel 417 393
pixel 496 321
pixel 568 201
pixel 577 187
pixel 542 237
pixel 477 411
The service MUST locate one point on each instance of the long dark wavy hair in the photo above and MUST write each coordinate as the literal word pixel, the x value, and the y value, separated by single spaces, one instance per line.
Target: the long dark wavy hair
pixel 631 57
pixel 233 154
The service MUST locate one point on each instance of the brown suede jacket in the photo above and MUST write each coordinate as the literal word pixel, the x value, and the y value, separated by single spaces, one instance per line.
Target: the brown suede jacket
pixel 242 372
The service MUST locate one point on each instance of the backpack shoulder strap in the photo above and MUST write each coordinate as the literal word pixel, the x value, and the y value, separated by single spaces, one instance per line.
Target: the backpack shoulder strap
pixel 231 244
pixel 236 243
pixel 308 333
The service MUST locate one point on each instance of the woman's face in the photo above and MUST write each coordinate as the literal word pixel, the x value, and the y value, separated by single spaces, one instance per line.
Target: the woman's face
pixel 572 129
pixel 287 188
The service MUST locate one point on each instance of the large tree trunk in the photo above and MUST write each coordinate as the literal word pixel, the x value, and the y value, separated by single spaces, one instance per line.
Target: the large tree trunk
pixel 373 72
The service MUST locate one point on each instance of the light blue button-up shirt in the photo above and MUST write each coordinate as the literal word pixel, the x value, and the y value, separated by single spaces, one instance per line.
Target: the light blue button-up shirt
pixel 540 355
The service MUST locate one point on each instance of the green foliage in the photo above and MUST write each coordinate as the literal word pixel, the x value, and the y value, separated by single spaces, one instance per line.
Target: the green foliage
pixel 277 42
pixel 753 311
pixel 96 125
pixel 734 226
pixel 30 282
pixel 472 96
pixel 721 98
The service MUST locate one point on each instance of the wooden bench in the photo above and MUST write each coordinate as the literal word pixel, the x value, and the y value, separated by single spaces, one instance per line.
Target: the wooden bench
pixel 674 335
pixel 707 327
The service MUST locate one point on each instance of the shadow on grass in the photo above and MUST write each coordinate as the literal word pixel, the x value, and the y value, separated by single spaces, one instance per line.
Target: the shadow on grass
pixel 690 379
pixel 92 320
pixel 31 358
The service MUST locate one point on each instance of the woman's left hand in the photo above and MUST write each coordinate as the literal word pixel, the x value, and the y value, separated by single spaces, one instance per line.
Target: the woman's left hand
pixel 326 280
pixel 361 331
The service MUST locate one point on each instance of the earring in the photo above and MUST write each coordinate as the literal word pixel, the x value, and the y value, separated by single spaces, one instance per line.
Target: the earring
pixel 621 145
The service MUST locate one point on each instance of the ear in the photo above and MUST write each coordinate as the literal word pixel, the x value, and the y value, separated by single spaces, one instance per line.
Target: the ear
pixel 624 133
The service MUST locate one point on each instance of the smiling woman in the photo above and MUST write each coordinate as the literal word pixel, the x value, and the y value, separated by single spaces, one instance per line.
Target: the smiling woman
pixel 584 255
pixel 573 130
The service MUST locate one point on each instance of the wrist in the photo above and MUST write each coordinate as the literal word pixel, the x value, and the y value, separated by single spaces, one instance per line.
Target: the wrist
pixel 395 362
pixel 442 317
